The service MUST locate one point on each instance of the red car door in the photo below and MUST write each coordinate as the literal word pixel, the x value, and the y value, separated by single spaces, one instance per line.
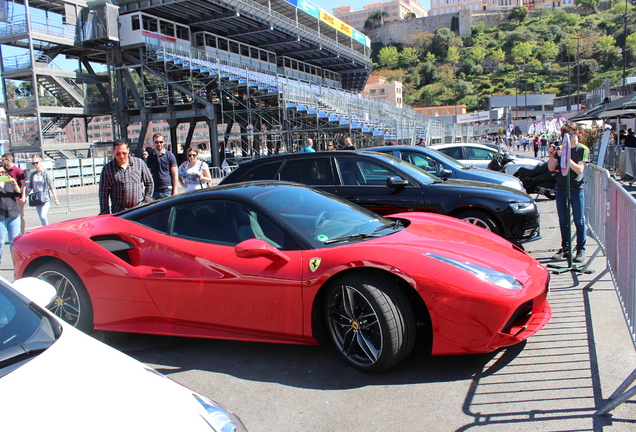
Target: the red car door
pixel 204 283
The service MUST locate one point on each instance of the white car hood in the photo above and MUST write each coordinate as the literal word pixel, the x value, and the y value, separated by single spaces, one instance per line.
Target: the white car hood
pixel 80 384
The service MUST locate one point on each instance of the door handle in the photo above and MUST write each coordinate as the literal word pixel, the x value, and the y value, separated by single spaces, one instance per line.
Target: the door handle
pixel 159 270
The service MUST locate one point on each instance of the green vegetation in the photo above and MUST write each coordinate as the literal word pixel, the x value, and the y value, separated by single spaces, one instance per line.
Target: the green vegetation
pixel 562 51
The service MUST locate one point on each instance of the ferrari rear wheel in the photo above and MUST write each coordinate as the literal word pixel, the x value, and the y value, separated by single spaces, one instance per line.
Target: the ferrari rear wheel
pixel 72 303
pixel 369 321
pixel 480 219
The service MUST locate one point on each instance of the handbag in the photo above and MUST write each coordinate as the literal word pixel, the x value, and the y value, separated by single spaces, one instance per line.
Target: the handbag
pixel 36 199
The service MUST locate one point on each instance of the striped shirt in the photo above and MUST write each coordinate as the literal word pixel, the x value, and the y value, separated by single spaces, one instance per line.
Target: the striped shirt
pixel 124 188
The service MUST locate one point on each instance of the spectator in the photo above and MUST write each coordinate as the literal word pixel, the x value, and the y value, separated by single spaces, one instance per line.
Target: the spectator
pixel 544 145
pixel 349 144
pixel 579 156
pixel 164 169
pixel 41 182
pixel 17 173
pixel 10 194
pixel 535 146
pixel 309 146
pixel 630 139
pixel 391 143
pixel 125 181
pixel 194 173
pixel 144 156
pixel 330 146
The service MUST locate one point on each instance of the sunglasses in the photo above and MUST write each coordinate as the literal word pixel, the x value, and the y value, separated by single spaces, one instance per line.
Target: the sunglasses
pixel 35 163
pixel 121 154
pixel 158 142
pixel 192 155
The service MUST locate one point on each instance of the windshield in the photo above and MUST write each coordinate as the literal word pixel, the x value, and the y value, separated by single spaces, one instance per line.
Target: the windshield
pixel 323 219
pixel 411 170
pixel 23 331
pixel 449 160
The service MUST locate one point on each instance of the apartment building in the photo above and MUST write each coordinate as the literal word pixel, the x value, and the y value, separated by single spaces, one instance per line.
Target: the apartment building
pixel 439 7
pixel 396 10
pixel 378 88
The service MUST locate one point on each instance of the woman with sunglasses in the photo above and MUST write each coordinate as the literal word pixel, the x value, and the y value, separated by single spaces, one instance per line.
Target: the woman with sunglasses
pixel 41 183
pixel 194 173
pixel 9 215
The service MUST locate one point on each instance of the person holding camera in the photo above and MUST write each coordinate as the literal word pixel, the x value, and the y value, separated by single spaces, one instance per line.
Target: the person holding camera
pixel 579 156
pixel 194 173
pixel 10 194
pixel 41 183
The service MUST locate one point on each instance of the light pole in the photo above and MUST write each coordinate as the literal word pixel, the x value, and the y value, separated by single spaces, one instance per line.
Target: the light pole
pixel 624 16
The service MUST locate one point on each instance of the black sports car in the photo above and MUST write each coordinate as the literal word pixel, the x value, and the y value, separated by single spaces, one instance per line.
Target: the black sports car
pixel 386 185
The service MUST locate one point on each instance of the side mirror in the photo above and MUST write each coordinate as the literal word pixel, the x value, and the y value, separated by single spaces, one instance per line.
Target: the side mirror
pixel 396 181
pixel 38 291
pixel 255 248
pixel 444 173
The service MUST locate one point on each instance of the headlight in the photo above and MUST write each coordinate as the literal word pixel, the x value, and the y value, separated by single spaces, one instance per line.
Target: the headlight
pixel 219 419
pixel 527 207
pixel 514 184
pixel 498 278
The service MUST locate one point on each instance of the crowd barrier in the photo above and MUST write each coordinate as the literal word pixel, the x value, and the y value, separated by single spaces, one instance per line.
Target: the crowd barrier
pixel 611 219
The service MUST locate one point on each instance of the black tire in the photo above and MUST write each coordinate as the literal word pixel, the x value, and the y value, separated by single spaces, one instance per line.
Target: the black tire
pixel 370 321
pixel 550 194
pixel 72 303
pixel 480 219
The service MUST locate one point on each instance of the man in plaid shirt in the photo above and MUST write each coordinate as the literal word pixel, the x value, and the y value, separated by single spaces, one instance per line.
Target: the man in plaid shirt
pixel 125 181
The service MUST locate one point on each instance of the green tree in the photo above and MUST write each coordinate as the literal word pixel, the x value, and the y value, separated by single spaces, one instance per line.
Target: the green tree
pixel 409 15
pixel 388 57
pixel 498 55
pixel 587 4
pixel 476 53
pixel 452 56
pixel 518 13
pixel 430 58
pixel 548 51
pixel 606 51
pixel 521 52
pixel 408 57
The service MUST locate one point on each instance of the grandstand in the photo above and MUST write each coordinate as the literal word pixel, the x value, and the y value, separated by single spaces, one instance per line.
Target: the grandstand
pixel 265 74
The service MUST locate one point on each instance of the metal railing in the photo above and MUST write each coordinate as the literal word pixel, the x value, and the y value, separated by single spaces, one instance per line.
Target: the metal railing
pixel 611 218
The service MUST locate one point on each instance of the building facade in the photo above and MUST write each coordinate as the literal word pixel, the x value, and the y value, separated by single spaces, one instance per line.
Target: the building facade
pixel 378 88
pixel 396 10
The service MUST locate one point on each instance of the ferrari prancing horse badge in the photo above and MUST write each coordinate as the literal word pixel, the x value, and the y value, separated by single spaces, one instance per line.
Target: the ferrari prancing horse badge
pixel 314 263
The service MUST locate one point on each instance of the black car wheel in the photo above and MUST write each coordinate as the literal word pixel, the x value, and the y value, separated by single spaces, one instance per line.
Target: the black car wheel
pixel 480 219
pixel 370 321
pixel 72 303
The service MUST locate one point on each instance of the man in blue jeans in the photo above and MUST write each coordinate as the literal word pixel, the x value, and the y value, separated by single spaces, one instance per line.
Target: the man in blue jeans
pixel 579 156
pixel 164 169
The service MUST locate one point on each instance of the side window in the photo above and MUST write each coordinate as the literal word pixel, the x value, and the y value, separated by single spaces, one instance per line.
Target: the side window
pixel 225 222
pixel 422 161
pixel 478 153
pixel 363 172
pixel 263 172
pixel 308 171
pixel 157 220
pixel 454 152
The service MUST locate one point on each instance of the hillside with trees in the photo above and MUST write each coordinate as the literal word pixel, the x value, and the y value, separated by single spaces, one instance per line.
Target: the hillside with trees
pixel 545 51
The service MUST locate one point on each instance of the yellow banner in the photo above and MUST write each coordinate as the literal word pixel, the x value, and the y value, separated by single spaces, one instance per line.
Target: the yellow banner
pixel 334 22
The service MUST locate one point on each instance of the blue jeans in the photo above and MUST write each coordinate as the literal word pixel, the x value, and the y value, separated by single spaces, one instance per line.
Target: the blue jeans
pixel 577 202
pixel 162 194
pixel 10 226
pixel 43 212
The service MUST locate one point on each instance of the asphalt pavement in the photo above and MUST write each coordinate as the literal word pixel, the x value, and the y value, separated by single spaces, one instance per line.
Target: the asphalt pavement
pixel 553 382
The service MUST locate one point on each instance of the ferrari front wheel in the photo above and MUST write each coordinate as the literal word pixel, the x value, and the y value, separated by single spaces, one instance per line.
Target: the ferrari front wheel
pixel 369 321
pixel 71 303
